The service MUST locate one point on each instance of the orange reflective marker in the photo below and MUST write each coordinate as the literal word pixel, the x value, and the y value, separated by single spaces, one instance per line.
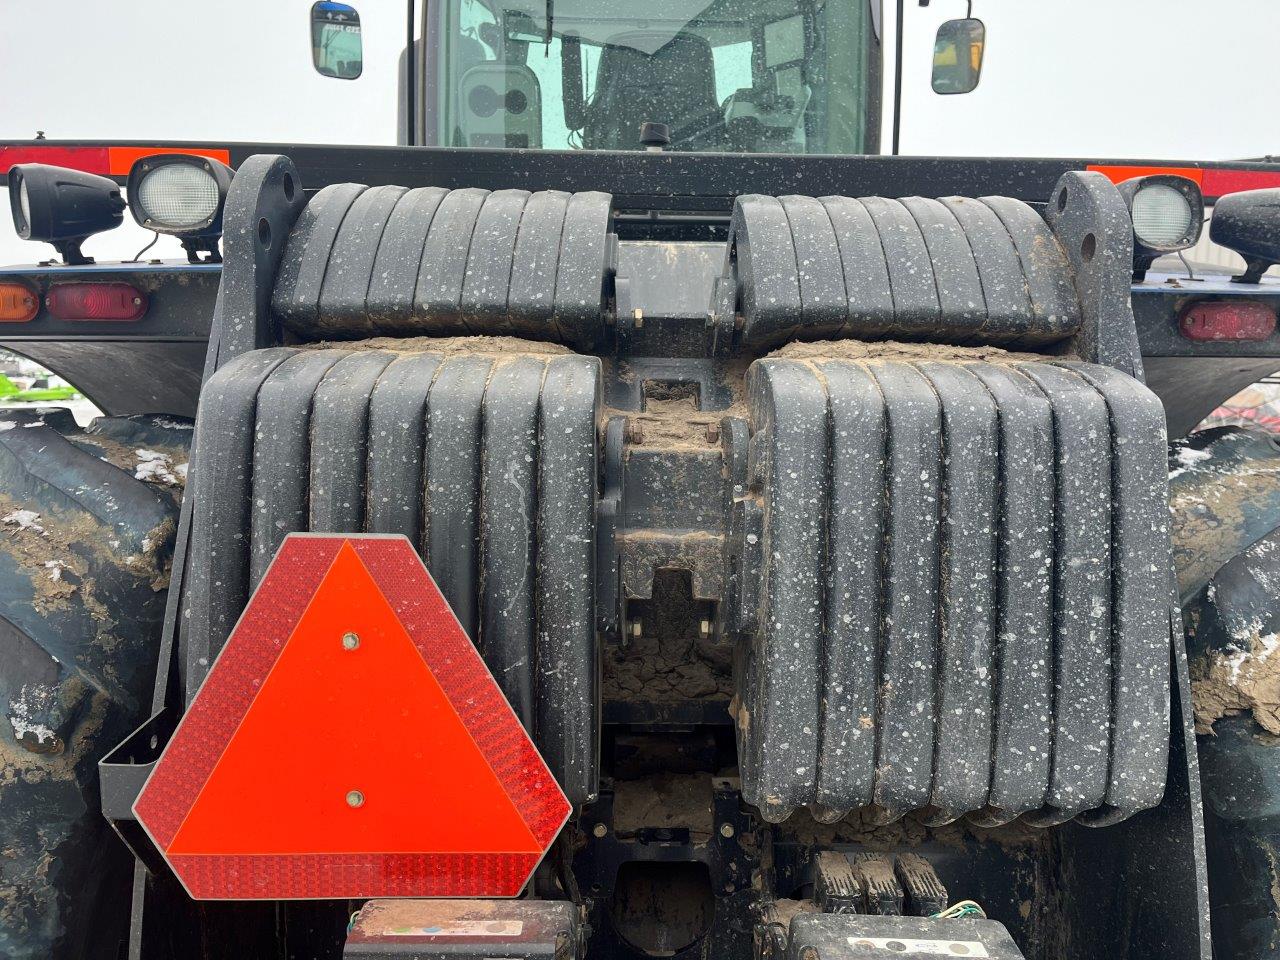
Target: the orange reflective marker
pixel 349 742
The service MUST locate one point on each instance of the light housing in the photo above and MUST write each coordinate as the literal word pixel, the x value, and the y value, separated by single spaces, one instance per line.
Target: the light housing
pixel 181 194
pixel 95 301
pixel 1219 321
pixel 18 303
pixel 1167 212
pixel 62 207
pixel 1249 224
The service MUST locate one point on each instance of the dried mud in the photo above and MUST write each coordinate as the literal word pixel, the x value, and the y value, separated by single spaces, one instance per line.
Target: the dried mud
pixel 57 548
pixel 1239 681
pixel 156 464
pixel 675 423
pixel 665 801
pixel 894 350
pixel 1204 510
pixel 667 670
pixel 32 895
pixel 390 914
pixel 447 346
pixel 1016 838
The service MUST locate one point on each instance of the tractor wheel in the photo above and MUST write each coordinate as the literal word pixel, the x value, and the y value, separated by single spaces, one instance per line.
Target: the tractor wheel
pixel 87 520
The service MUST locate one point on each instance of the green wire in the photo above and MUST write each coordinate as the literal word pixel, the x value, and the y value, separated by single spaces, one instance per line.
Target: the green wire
pixel 964 908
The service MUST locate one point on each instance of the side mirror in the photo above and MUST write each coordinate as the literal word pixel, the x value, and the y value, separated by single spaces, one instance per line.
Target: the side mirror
pixel 336 47
pixel 1249 224
pixel 957 55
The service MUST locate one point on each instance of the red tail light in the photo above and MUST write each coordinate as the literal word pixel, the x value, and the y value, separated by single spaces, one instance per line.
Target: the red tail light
pixel 1227 320
pixel 96 301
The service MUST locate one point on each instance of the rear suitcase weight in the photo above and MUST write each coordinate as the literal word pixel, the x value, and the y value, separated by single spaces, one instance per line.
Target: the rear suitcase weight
pixel 490 262
pixel 397 446
pixel 282 444
pixel 394 279
pixel 437 301
pixel 508 532
pixel 300 278
pixel 344 292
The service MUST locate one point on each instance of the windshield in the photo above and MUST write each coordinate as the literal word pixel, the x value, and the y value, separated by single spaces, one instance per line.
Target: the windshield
pixel 755 76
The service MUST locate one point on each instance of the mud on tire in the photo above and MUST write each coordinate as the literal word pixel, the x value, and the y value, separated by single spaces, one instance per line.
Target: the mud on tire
pixel 87 518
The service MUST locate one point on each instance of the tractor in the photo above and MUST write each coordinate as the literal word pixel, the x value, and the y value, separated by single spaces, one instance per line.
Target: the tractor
pixel 701 537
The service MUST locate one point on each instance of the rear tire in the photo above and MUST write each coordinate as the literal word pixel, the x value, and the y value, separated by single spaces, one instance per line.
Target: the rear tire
pixel 87 521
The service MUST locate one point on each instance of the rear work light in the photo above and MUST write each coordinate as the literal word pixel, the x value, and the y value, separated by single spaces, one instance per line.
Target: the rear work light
pixel 18 303
pixel 1227 320
pixel 62 207
pixel 183 195
pixel 96 301
pixel 1167 213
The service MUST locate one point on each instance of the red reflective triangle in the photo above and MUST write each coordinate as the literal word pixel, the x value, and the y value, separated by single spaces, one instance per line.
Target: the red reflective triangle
pixel 385 766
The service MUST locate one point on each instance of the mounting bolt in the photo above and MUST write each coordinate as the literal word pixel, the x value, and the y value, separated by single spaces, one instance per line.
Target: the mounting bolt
pixel 355 799
pixel 350 641
pixel 599 830
pixel 635 432
pixel 726 830
pixel 713 433
pixel 638 316
pixel 636 628
pixel 705 628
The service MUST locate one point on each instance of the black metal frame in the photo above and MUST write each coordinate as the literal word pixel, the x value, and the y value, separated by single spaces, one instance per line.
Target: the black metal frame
pixel 111 361
pixel 668 181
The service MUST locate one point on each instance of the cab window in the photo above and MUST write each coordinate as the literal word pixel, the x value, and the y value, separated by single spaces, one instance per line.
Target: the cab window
pixel 757 76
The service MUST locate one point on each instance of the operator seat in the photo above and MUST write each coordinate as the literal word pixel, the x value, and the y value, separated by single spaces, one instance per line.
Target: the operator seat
pixel 675 85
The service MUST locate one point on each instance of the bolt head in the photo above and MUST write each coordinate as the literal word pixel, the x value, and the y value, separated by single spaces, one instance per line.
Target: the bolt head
pixel 726 830
pixel 599 830
pixel 355 799
pixel 350 641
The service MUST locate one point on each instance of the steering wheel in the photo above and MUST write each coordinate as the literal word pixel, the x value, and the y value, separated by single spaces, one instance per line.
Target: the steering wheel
pixel 703 126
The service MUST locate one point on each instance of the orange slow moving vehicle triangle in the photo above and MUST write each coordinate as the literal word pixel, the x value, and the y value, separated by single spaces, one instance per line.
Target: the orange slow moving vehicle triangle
pixel 345 767
pixel 373 719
